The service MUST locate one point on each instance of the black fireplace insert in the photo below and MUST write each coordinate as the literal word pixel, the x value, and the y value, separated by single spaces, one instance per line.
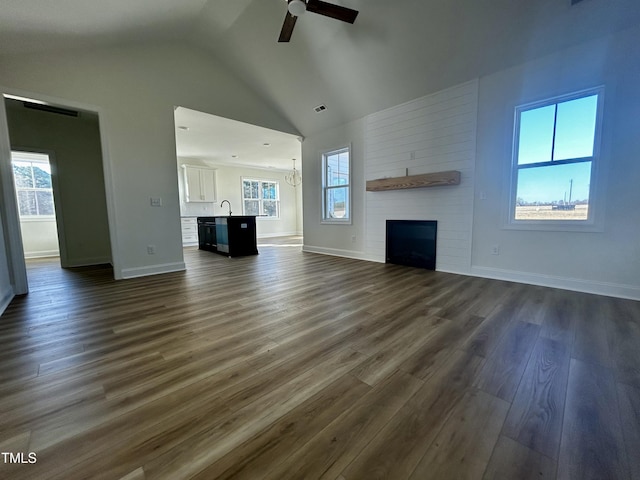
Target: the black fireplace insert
pixel 412 243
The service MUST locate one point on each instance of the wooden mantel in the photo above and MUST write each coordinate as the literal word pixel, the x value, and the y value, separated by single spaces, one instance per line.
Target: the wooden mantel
pixel 414 181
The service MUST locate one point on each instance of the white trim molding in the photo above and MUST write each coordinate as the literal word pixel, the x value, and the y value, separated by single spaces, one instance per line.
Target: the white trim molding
pixel 631 292
pixel 338 252
pixel 152 270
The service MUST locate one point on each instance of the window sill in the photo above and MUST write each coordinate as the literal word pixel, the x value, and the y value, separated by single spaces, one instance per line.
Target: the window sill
pixel 38 218
pixel 335 222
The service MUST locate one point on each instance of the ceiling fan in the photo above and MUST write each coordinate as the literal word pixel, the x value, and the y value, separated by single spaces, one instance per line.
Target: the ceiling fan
pixel 295 8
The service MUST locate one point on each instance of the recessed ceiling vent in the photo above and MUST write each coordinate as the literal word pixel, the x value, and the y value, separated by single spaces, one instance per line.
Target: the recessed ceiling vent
pixel 319 108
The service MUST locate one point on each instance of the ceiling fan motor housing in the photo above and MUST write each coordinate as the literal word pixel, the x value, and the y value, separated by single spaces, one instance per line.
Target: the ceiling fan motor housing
pixel 297 7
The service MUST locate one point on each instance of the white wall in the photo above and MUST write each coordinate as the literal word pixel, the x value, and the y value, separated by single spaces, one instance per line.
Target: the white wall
pixel 229 187
pixel 344 239
pixel 606 262
pixel 134 89
pixel 432 134
pixel 438 131
pixel 39 237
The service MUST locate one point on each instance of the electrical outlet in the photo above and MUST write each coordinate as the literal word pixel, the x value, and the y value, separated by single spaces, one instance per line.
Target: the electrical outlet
pixel 353 239
pixel 156 201
pixel 151 249
pixel 495 250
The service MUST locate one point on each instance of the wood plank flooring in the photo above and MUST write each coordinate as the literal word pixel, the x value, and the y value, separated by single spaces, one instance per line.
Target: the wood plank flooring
pixel 291 365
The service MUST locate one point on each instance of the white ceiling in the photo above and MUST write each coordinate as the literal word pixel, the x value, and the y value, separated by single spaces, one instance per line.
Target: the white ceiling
pixel 216 140
pixel 396 50
pixel 46 25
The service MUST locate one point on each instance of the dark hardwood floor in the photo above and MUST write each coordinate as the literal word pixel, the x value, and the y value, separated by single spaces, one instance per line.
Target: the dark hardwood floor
pixel 289 365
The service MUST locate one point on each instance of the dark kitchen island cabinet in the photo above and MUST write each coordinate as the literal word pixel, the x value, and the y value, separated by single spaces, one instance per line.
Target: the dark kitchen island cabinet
pixel 232 236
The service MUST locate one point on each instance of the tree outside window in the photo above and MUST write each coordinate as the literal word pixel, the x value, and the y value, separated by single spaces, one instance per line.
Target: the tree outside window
pixel 33 186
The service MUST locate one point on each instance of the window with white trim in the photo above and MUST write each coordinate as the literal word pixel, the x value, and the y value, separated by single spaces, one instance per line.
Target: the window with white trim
pixel 32 176
pixel 336 186
pixel 555 157
pixel 261 197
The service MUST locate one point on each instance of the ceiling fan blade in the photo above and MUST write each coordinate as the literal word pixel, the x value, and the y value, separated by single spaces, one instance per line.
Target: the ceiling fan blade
pixel 334 11
pixel 287 28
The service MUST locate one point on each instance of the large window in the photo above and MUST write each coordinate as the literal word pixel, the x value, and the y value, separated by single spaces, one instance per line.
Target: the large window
pixel 261 197
pixel 32 175
pixel 555 156
pixel 336 186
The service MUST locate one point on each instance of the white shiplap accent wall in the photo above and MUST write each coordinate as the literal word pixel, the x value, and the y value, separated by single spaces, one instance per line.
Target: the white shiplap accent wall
pixel 430 134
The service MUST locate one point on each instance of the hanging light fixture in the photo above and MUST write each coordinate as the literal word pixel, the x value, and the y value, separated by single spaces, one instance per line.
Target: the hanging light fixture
pixel 293 178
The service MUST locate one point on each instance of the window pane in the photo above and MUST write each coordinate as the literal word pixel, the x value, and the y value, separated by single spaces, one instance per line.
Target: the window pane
pixel 22 174
pixel 27 202
pixel 42 175
pixel 45 202
pixel 250 189
pixel 575 128
pixel 252 207
pixel 338 169
pixel 536 135
pixel 270 207
pixel 337 199
pixel 556 192
pixel 269 190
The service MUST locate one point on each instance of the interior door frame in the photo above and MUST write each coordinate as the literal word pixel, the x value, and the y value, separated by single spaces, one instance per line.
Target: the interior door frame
pixel 10 217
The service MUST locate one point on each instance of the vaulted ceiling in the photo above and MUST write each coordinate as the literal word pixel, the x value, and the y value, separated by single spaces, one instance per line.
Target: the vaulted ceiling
pixel 396 50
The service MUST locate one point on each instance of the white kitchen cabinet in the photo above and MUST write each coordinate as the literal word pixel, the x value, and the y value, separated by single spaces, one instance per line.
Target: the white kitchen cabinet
pixel 189 231
pixel 200 184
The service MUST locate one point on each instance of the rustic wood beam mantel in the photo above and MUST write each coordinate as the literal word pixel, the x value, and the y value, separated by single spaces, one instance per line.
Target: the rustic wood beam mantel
pixel 414 181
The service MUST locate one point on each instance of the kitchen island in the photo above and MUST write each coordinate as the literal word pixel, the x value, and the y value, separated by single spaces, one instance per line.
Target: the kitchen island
pixel 232 236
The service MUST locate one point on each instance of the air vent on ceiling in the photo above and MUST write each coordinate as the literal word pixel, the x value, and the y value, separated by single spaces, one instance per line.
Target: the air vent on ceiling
pixel 573 2
pixel 50 109
pixel 319 108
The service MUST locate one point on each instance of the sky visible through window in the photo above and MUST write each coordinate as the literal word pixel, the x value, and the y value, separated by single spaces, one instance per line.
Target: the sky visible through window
pixel 562 131
pixel 336 187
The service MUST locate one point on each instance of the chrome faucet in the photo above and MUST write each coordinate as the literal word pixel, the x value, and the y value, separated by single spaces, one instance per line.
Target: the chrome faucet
pixel 222 203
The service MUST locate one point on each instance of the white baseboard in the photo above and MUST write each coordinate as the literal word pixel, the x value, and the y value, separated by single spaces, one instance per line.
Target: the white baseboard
pixel 152 270
pixel 338 252
pixel 42 254
pixel 5 300
pixel 279 234
pixel 587 286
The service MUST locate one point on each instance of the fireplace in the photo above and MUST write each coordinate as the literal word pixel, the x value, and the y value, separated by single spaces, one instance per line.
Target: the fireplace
pixel 412 243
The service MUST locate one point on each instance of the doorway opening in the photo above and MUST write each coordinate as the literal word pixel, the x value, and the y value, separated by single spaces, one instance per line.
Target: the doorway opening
pixel 55 201
pixel 36 206
pixel 223 163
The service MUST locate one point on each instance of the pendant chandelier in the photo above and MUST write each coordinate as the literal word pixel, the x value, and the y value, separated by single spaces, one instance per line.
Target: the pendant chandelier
pixel 293 178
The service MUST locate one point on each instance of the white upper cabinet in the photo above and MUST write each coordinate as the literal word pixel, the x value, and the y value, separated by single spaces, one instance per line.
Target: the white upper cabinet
pixel 200 184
